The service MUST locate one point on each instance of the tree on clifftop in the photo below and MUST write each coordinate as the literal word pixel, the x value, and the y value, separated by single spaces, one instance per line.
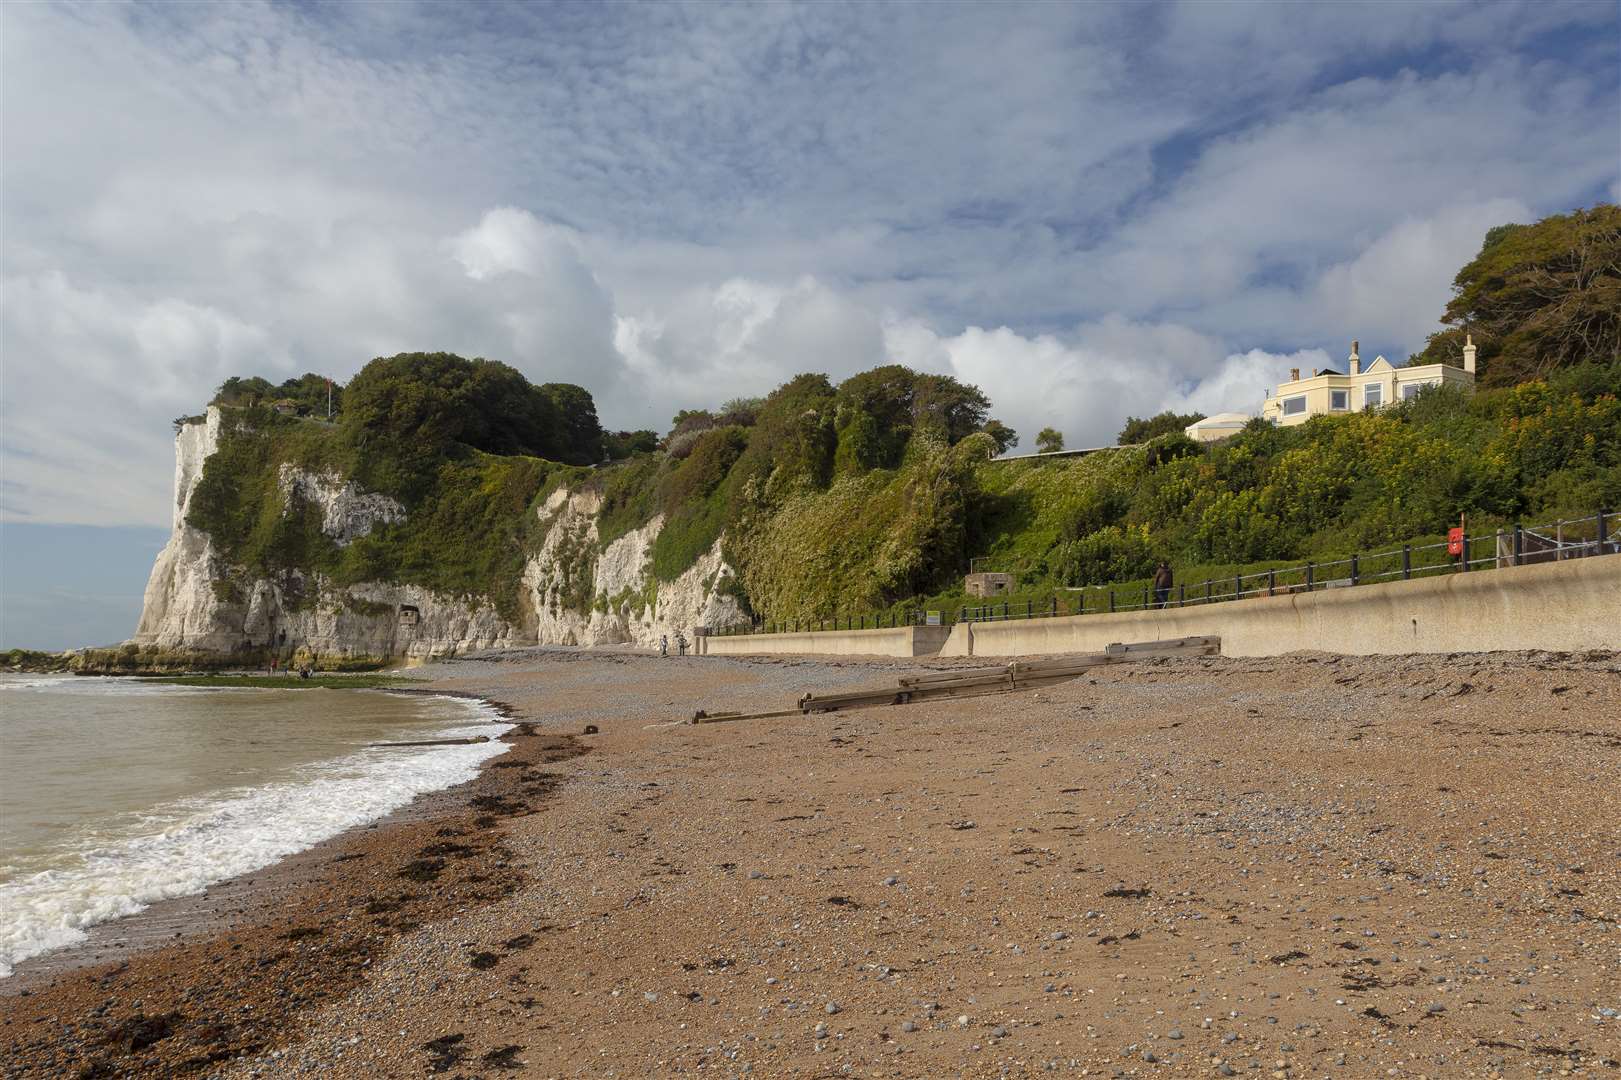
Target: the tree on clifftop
pixel 405 413
pixel 1141 431
pixel 1049 441
pixel 1537 298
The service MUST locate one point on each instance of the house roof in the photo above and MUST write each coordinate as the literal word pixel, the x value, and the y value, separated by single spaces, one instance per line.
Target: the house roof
pixel 1222 420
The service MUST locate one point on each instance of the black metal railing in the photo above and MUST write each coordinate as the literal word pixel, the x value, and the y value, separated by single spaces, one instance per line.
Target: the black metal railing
pixel 1517 545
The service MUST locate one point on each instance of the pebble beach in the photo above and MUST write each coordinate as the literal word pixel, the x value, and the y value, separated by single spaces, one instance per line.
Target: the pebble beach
pixel 1302 866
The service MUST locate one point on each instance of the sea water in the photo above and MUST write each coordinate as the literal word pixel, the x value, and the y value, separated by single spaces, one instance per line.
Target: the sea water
pixel 115 793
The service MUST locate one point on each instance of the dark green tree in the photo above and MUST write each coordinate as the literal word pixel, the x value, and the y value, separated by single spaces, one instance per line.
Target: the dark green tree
pixel 1005 437
pixel 1049 441
pixel 1141 431
pixel 1537 298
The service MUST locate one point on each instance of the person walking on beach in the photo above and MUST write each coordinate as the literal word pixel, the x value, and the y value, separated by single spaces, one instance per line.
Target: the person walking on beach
pixel 1162 584
pixel 664 644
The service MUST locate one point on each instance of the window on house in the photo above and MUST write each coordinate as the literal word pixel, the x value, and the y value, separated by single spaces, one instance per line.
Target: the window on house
pixel 1339 400
pixel 1373 395
pixel 1294 406
pixel 1410 390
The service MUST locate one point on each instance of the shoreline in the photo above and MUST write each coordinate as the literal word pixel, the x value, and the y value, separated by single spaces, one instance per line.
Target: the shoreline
pixel 1314 865
pixel 150 990
pixel 223 904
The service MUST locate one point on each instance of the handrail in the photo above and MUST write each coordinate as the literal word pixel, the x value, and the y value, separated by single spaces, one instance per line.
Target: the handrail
pixel 1516 546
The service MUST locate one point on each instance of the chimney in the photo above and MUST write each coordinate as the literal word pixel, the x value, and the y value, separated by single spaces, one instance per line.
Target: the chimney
pixel 1356 361
pixel 1294 374
pixel 1469 353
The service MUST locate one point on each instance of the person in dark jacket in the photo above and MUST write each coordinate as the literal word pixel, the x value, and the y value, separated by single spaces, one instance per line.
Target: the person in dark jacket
pixel 1162 584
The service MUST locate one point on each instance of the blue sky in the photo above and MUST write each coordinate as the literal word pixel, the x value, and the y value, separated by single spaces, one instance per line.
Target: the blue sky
pixel 1090 210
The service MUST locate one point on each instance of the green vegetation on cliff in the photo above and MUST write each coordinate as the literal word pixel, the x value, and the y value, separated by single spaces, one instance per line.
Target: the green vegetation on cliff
pixel 455 441
pixel 875 494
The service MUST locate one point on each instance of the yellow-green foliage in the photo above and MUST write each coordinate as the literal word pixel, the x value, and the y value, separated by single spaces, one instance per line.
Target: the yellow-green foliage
pixel 865 540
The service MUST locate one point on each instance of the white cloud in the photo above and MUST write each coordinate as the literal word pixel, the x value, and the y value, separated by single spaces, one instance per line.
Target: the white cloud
pixel 1088 210
pixel 1395 287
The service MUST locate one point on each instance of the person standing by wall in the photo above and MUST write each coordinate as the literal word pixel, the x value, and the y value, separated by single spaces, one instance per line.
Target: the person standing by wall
pixel 1162 584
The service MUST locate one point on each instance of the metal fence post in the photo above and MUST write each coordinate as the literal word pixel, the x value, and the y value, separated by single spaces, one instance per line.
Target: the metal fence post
pixel 1271 582
pixel 1406 561
pixel 1181 596
pixel 1238 586
pixel 1111 601
pixel 1519 544
pixel 1601 537
pixel 1055 605
pixel 1207 590
pixel 1464 562
pixel 1311 571
pixel 1029 609
pixel 1145 597
pixel 1354 574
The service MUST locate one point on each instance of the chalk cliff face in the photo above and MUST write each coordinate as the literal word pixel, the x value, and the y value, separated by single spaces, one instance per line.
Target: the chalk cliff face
pixel 627 606
pixel 574 592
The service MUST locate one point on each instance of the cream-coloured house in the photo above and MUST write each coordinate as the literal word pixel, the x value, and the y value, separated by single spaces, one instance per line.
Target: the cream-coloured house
pixel 1328 392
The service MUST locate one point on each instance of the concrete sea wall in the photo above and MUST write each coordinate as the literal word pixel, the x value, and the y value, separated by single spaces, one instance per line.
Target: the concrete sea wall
pixel 1563 606
pixel 890 641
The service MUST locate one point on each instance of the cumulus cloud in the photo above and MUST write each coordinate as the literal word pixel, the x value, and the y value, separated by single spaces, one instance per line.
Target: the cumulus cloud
pixel 1089 211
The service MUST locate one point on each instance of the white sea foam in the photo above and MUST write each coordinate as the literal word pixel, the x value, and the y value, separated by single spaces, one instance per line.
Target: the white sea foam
pixel 32 682
pixel 192 844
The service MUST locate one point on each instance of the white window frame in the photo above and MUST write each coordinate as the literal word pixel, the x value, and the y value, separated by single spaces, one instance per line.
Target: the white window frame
pixel 1378 391
pixel 1344 401
pixel 1410 390
pixel 1294 406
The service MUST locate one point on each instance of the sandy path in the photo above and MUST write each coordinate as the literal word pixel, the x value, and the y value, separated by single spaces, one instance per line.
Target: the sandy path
pixel 1309 866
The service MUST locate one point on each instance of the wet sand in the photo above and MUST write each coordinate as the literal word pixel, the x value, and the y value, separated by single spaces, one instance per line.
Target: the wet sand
pixel 1306 866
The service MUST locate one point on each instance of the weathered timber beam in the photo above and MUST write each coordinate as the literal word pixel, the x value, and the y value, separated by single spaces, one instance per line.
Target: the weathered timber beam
pixel 974 682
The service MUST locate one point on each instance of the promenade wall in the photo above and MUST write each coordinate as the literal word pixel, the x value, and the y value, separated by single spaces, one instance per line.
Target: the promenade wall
pixel 1561 606
pixel 890 641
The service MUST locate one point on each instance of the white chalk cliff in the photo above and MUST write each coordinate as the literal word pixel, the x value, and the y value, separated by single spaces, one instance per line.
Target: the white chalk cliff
pixel 575 592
